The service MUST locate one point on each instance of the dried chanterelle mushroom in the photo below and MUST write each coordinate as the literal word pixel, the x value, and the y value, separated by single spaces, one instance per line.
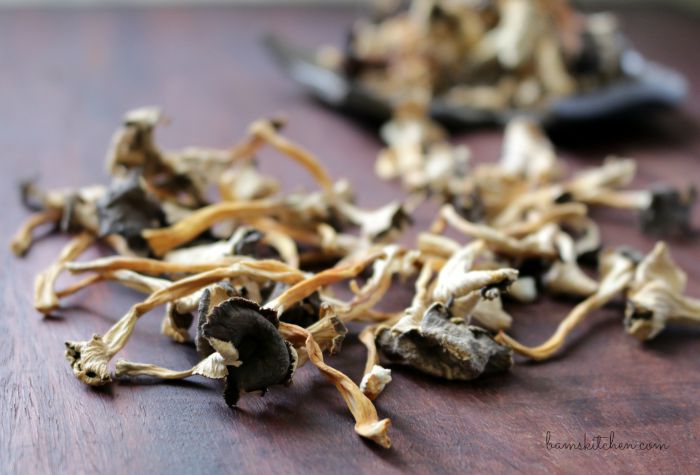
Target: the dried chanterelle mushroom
pixel 655 296
pixel 256 270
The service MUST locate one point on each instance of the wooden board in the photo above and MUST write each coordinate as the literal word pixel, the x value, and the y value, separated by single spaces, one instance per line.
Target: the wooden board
pixel 66 77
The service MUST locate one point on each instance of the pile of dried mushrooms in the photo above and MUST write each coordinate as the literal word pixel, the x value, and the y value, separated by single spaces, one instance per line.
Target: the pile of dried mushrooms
pixel 249 275
pixel 483 54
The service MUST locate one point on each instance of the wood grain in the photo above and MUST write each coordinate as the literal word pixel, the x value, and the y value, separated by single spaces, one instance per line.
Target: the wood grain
pixel 66 77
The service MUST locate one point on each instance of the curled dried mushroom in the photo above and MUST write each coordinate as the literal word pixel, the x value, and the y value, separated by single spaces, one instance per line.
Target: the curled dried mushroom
pixel 439 347
pixel 255 354
pixel 655 296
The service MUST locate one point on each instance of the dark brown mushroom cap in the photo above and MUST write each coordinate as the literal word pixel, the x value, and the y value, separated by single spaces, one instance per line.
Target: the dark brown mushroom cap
pixel 134 149
pixel 180 321
pixel 635 315
pixel 303 313
pixel 442 348
pixel 251 244
pixel 470 205
pixel 398 219
pixel 669 213
pixel 134 145
pixel 203 347
pixel 127 209
pixel 634 255
pixel 492 291
pixel 31 195
pixel 266 357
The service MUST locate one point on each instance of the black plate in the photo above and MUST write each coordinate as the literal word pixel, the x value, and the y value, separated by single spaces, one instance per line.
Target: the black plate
pixel 645 83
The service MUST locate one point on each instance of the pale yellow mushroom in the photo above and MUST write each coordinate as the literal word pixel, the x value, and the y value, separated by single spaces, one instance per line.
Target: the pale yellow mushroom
pixel 565 276
pixel 655 296
pixel 617 272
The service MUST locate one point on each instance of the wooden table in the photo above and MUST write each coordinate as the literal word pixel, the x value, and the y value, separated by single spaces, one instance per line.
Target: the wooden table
pixel 66 77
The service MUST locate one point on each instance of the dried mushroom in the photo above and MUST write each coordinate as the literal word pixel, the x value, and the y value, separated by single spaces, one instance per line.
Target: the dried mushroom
pixel 439 347
pixel 616 270
pixel 655 296
pixel 438 339
pixel 260 268
pixel 127 209
pixel 255 354
pixel 305 313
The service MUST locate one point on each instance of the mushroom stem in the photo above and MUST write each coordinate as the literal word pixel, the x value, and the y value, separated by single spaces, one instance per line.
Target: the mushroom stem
pixel 284 245
pixel 613 173
pixel 329 332
pixel 22 240
pixel 212 367
pixel 127 278
pixel 437 245
pixel 375 377
pixel 264 130
pixel 119 245
pixel 269 225
pixel 148 266
pixel 78 286
pixel 375 288
pixel 129 368
pixel 616 279
pixel 163 240
pixel 637 199
pixel 554 214
pixel 367 337
pixel 45 298
pixel 495 238
pixel 512 214
pixel 367 423
pixel 306 287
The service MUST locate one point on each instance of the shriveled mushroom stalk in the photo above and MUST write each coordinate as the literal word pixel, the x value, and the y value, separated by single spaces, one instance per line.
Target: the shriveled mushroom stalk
pixel 617 271
pixel 45 297
pixel 375 377
pixel 367 423
pixel 539 243
pixel 23 238
pixel 655 296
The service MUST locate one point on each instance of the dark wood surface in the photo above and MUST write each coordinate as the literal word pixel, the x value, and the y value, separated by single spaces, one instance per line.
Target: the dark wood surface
pixel 66 77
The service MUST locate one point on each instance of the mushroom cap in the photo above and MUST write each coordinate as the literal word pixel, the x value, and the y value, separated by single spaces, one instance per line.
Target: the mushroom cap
pixel 669 212
pixel 242 328
pixel 250 243
pixel 303 313
pixel 445 349
pixel 211 297
pixel 641 322
pixel 469 206
pixel 127 209
pixel 656 295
